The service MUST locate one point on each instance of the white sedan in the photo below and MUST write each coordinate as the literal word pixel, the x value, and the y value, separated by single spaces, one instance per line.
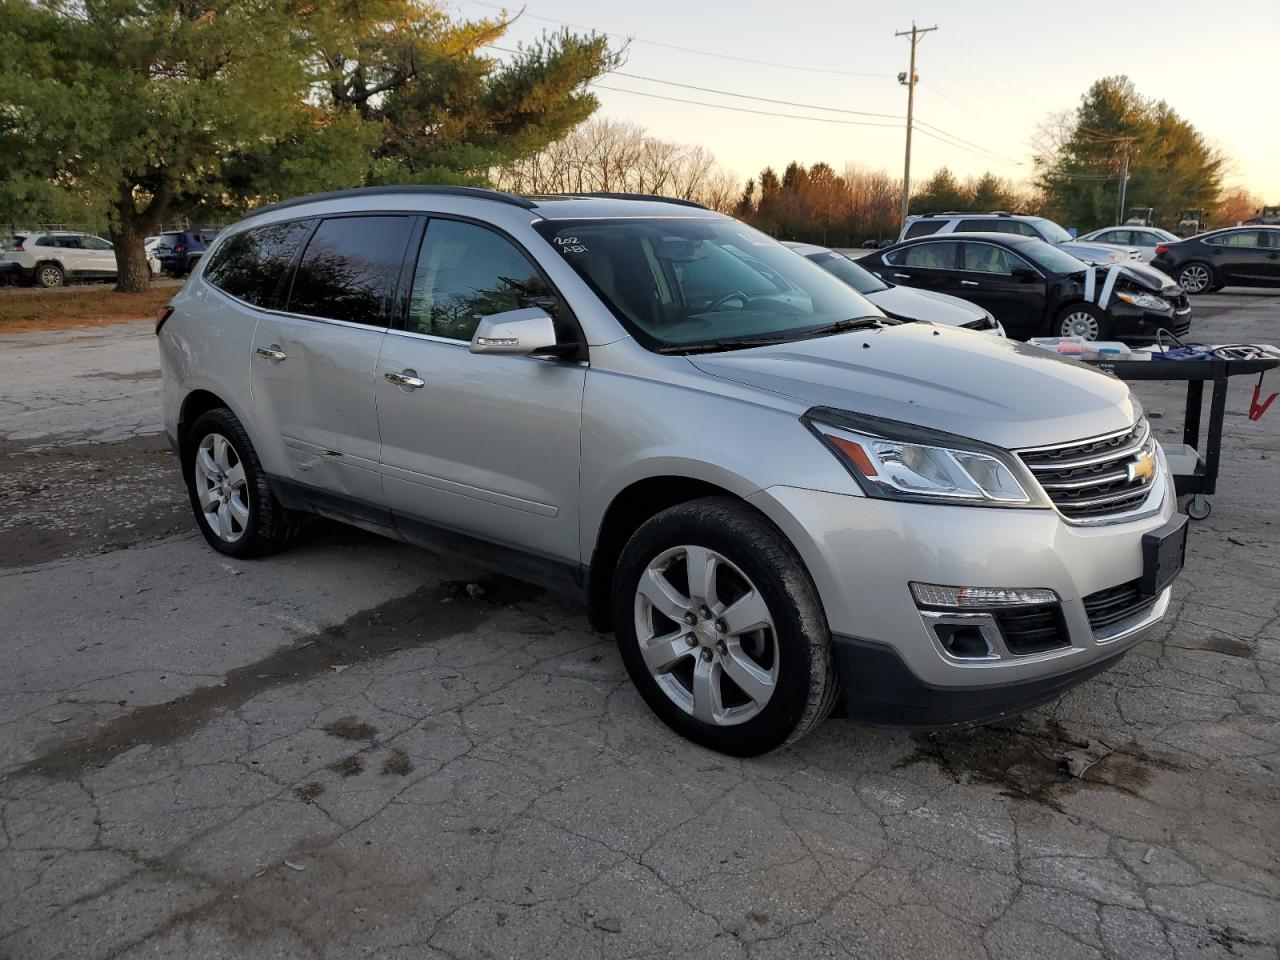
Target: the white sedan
pixel 1146 239
pixel 904 303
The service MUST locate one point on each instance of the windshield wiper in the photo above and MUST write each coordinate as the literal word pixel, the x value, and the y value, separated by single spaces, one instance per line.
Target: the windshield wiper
pixel 710 346
pixel 840 326
pixel 741 343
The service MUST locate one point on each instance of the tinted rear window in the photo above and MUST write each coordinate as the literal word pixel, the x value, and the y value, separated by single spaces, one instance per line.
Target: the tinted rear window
pixel 922 228
pixel 250 265
pixel 350 267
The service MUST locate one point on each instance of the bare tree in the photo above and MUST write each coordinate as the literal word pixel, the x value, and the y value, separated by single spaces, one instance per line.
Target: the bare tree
pixel 611 156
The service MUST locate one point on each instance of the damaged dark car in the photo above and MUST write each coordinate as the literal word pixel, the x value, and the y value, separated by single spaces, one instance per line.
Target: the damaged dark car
pixel 1035 289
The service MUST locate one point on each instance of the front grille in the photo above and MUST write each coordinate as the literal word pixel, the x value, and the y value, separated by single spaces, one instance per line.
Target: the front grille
pixel 1108 607
pixel 1032 629
pixel 1092 479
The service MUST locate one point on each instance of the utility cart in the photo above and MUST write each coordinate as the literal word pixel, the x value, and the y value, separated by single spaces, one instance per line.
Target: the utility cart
pixel 1195 470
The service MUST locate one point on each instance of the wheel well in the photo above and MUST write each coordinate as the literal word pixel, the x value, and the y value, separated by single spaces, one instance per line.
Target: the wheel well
pixel 628 511
pixel 197 403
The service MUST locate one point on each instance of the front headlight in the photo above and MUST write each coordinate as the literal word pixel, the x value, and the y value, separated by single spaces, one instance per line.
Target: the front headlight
pixel 899 461
pixel 1148 301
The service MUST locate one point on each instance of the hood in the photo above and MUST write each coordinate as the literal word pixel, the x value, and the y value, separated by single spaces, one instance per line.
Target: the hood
pixel 926 305
pixel 1099 252
pixel 1149 278
pixel 960 381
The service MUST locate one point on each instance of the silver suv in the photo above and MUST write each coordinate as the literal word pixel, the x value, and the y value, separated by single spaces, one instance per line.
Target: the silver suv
pixel 781 501
pixel 927 224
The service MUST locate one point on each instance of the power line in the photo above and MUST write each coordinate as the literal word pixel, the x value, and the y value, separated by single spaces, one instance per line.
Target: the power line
pixel 744 96
pixel 969 143
pixel 762 113
pixel 984 156
pixel 671 46
pixel 958 106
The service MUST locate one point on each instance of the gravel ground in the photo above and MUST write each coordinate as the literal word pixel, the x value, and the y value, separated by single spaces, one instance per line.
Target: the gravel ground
pixel 343 751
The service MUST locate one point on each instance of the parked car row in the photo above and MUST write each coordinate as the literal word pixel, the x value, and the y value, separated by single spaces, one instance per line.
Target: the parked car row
pixel 1241 256
pixel 779 498
pixel 49 258
pixel 1039 228
pixel 1034 288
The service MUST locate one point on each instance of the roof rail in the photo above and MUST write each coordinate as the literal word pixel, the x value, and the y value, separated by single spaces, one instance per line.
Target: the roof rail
pixel 633 196
pixel 477 193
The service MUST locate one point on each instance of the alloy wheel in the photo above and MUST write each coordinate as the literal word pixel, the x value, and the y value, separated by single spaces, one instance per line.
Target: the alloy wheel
pixel 221 488
pixel 1080 323
pixel 50 277
pixel 1194 278
pixel 706 635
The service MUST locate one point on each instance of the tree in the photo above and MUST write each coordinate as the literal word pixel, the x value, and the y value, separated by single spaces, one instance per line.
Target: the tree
pixel 941 192
pixel 605 155
pixel 146 108
pixel 1170 165
pixel 1236 206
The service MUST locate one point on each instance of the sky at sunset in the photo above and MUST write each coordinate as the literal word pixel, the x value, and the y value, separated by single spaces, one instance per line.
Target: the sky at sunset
pixel 991 72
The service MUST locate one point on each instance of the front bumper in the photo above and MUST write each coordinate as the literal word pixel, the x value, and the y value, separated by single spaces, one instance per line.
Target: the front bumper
pixel 864 553
pixel 1137 325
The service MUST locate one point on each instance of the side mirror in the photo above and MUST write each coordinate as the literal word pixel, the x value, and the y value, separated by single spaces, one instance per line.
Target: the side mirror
pixel 520 333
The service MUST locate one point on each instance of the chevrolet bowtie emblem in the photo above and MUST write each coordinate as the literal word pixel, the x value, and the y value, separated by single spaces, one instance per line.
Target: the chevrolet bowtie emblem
pixel 1143 468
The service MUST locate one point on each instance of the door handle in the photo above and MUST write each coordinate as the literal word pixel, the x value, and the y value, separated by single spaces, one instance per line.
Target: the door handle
pixel 407 379
pixel 968 283
pixel 273 353
pixel 902 276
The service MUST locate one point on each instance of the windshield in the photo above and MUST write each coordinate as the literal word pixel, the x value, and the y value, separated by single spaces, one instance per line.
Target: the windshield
pixel 1051 231
pixel 1051 258
pixel 855 276
pixel 679 283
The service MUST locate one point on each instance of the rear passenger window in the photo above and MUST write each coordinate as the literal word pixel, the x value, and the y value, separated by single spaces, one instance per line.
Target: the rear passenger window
pixel 939 255
pixel 922 228
pixel 350 269
pixel 250 265
pixel 975 226
pixel 466 273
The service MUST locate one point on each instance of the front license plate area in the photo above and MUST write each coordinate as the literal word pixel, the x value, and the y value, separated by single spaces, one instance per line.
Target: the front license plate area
pixel 1164 552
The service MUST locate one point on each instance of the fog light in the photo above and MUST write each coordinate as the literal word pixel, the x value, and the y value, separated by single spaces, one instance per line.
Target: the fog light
pixel 934 595
pixel 963 641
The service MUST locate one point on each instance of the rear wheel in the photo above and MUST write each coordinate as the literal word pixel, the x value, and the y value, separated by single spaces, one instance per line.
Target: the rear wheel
pixel 721 630
pixel 1084 320
pixel 49 275
pixel 1196 277
pixel 232 502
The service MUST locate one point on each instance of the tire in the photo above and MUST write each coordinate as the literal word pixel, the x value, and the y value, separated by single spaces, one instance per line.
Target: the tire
pixel 49 275
pixel 1083 320
pixel 793 653
pixel 1195 277
pixel 246 521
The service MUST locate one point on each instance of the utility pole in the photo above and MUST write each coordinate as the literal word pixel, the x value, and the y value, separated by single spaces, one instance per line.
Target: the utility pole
pixel 1124 183
pixel 910 79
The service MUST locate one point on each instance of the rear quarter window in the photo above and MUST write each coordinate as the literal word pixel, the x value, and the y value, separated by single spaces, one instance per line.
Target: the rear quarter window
pixel 923 228
pixel 251 265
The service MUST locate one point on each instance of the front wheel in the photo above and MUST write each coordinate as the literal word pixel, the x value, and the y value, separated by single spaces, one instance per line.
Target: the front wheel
pixel 1084 320
pixel 232 502
pixel 721 629
pixel 1196 278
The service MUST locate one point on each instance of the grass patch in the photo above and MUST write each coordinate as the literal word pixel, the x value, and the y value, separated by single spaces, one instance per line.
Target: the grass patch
pixel 349 728
pixel 90 305
pixel 398 764
pixel 348 766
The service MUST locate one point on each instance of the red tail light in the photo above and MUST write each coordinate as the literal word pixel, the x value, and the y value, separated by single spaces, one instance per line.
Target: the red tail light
pixel 1161 248
pixel 180 248
pixel 164 314
pixel 18 247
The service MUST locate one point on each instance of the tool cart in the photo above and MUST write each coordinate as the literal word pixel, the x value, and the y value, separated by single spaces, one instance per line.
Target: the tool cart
pixel 1195 469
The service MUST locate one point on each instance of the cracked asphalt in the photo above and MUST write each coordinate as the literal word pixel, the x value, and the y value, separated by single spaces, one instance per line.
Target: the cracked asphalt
pixel 358 749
